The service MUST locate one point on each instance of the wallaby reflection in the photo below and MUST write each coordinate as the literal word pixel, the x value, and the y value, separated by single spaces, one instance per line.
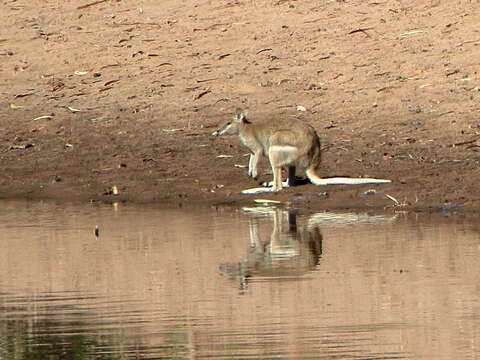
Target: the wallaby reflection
pixel 287 253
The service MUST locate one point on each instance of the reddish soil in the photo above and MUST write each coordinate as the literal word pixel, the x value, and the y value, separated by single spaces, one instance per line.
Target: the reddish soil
pixel 392 88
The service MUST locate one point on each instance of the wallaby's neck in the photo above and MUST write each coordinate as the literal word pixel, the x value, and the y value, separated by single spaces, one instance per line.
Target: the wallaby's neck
pixel 242 129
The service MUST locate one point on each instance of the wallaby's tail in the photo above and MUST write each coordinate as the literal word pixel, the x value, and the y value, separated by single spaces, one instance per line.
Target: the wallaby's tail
pixel 317 180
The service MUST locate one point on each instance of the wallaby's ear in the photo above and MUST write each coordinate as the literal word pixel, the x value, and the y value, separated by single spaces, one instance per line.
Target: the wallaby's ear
pixel 240 115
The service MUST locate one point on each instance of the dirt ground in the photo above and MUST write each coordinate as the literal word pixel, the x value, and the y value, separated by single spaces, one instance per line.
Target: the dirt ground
pixel 125 94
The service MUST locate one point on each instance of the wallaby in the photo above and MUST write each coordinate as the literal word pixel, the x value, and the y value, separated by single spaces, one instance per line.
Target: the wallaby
pixel 289 143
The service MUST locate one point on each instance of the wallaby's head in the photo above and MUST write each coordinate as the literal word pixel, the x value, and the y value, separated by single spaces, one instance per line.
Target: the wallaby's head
pixel 232 126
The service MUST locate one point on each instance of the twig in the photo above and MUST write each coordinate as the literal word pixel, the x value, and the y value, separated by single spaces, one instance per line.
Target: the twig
pixel 463 143
pixel 109 65
pixel 24 94
pixel 203 93
pixel 452 72
pixel 468 42
pixel 137 23
pixel 445 113
pixel 264 49
pixel 220 57
pixel 222 99
pixel 90 4
pixel 105 88
pixel 205 80
pixel 385 88
pixel 363 30
pixel 111 82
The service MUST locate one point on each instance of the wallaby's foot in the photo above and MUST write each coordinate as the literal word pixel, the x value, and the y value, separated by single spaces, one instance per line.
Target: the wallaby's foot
pixel 258 190
pixel 285 184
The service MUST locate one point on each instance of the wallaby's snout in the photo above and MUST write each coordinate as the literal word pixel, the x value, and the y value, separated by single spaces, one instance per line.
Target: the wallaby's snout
pixel 220 131
pixel 229 127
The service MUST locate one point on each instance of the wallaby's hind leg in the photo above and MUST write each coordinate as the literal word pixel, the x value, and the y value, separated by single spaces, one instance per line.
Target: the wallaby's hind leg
pixel 277 179
pixel 280 156
pixel 289 182
pixel 291 175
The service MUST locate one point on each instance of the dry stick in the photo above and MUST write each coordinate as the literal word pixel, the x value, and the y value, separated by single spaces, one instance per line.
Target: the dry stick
pixel 264 49
pixel 105 88
pixel 467 42
pixel 385 88
pixel 463 143
pixel 223 56
pixel 111 82
pixel 205 80
pixel 363 30
pixel 222 99
pixel 198 96
pixel 446 113
pixel 91 4
pixel 137 23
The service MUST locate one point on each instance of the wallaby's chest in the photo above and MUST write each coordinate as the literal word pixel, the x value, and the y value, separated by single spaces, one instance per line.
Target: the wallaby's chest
pixel 253 143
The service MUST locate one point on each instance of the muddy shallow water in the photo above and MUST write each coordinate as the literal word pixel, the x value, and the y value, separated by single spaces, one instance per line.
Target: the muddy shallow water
pixel 256 283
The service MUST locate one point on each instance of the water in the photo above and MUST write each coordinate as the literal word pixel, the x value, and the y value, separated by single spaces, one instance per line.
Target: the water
pixel 259 283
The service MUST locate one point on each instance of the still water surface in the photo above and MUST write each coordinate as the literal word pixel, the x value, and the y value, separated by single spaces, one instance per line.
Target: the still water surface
pixel 258 283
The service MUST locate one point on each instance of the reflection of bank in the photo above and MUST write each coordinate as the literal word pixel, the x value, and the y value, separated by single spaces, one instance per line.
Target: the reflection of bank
pixel 288 253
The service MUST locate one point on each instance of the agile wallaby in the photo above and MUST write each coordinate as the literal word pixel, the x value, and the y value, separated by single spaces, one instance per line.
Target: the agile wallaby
pixel 289 143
